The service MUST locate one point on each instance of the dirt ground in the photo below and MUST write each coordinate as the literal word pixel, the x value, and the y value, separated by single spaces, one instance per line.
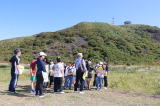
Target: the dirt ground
pixel 109 97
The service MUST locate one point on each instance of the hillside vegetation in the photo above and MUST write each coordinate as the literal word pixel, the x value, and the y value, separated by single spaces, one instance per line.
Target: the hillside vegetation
pixel 126 44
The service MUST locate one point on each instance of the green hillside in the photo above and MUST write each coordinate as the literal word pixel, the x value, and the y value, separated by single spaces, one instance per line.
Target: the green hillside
pixel 127 44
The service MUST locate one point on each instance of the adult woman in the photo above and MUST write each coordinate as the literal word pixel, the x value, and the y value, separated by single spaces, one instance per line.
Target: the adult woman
pixel 58 75
pixel 40 68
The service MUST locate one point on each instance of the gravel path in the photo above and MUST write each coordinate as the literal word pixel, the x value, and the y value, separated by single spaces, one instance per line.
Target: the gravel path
pixel 109 97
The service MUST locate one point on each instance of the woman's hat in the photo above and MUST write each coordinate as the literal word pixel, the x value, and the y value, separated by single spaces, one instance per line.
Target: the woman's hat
pixel 80 54
pixel 42 54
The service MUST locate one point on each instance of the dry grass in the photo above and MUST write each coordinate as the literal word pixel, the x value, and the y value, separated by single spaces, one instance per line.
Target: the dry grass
pixel 127 86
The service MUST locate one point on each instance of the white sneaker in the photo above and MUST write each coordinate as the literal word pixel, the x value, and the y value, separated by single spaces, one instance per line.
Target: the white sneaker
pixel 81 92
pixel 105 88
pixel 61 92
pixel 41 96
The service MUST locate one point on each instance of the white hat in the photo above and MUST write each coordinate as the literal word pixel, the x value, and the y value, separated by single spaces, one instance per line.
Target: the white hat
pixel 79 54
pixel 42 54
pixel 101 63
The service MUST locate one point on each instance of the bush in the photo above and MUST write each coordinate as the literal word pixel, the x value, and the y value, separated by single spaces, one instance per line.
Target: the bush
pixel 127 44
pixel 69 40
pixel 49 42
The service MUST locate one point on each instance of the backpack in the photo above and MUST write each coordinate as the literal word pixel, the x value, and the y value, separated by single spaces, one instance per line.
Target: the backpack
pixel 82 67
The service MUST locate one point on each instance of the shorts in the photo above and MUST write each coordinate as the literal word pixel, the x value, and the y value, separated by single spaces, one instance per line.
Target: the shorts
pixel 33 78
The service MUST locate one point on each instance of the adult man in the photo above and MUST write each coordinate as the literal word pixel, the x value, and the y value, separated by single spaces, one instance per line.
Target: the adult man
pixel 15 68
pixel 81 69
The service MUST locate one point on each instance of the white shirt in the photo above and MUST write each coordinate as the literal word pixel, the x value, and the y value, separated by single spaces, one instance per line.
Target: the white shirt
pixel 58 69
pixel 16 70
pixel 79 62
pixel 66 72
pixel 74 73
pixel 72 69
pixel 47 68
pixel 51 69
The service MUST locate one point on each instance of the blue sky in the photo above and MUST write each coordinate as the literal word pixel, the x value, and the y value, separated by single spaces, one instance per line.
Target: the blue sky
pixel 28 17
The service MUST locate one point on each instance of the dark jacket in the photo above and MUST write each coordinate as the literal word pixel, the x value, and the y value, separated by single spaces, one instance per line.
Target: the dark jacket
pixel 40 66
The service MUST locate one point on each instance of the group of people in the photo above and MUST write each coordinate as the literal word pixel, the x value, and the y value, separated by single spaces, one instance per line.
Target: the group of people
pixel 47 74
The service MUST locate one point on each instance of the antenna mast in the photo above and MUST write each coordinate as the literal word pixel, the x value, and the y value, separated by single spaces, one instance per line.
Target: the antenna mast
pixel 113 20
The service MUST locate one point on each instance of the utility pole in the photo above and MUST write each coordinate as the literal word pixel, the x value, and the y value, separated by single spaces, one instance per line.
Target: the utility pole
pixel 113 20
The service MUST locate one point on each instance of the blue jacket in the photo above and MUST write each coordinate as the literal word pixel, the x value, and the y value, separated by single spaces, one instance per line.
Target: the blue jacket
pixel 40 66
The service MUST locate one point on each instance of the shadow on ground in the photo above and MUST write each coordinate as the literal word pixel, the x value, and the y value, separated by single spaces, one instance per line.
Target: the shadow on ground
pixel 23 91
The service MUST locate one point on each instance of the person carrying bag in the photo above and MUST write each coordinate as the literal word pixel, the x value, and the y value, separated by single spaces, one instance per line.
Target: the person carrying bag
pixel 80 70
pixel 40 75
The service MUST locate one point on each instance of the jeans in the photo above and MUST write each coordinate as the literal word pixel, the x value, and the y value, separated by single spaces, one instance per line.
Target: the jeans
pixel 68 83
pixel 13 82
pixel 58 84
pixel 99 82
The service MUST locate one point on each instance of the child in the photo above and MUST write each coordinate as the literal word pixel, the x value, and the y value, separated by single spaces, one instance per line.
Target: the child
pixel 95 74
pixel 33 75
pixel 66 74
pixel 46 84
pixel 100 76
pixel 69 79
pixel 58 75
pixel 51 74
pixel 89 75
pixel 74 74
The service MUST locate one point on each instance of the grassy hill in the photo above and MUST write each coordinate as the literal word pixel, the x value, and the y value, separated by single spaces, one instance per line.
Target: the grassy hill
pixel 126 44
